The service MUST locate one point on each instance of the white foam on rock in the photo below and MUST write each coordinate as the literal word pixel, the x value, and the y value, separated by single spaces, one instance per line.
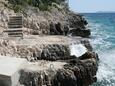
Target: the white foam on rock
pixel 77 49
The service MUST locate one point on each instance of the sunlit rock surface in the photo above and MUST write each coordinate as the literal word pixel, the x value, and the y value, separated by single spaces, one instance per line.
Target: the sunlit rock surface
pixel 9 70
pixel 52 60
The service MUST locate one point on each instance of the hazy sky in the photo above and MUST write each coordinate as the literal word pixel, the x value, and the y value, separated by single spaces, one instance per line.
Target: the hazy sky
pixel 92 5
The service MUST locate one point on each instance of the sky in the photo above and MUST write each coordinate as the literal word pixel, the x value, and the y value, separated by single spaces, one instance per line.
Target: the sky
pixel 92 5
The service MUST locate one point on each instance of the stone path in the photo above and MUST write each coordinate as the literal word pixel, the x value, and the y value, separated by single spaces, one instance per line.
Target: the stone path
pixel 33 40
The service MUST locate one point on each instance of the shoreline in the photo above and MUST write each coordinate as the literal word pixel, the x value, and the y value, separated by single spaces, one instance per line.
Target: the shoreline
pixel 47 52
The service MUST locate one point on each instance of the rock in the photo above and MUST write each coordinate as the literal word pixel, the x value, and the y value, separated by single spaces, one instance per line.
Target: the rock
pixel 75 72
pixel 80 32
pixel 87 44
pixel 76 20
pixel 84 71
pixel 84 21
pixel 39 73
pixel 89 55
pixel 36 26
pixel 55 22
pixel 31 78
pixel 64 78
pixel 55 29
pixel 55 52
pixel 66 30
pixel 37 47
pixel 58 29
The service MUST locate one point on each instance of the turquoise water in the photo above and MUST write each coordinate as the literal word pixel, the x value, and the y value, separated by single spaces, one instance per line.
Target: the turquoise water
pixel 103 40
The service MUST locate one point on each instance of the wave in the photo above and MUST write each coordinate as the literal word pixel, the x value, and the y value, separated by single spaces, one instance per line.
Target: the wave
pixel 106 70
pixel 103 41
pixel 77 49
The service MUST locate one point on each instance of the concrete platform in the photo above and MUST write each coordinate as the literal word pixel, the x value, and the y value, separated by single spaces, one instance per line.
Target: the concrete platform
pixel 9 70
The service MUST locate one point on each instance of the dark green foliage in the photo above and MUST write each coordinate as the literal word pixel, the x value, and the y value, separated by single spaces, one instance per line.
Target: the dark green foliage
pixel 41 4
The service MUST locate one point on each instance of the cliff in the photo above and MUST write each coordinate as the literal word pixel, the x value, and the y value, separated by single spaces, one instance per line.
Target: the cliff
pixel 58 21
pixel 47 46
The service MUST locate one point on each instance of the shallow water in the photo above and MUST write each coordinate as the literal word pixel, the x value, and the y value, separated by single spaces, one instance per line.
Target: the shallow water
pixel 103 40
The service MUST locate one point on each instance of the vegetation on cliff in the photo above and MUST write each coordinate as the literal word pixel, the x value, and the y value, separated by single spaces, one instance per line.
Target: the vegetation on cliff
pixel 17 5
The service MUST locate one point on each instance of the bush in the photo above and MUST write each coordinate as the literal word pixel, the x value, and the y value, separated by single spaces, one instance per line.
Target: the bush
pixel 41 4
pixel 17 8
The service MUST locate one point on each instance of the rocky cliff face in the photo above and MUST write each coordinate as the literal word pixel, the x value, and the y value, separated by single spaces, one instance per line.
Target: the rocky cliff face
pixel 57 21
pixel 49 58
pixel 50 62
pixel 76 72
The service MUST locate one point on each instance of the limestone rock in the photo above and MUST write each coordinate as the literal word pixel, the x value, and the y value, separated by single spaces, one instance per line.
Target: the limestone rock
pixel 55 52
pixel 64 77
pixel 84 70
pixel 87 44
pixel 89 55
pixel 76 20
pixel 75 72
pixel 58 29
pixel 80 32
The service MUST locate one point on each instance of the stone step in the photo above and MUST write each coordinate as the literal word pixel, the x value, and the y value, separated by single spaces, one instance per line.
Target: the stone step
pixel 16 17
pixel 15 20
pixel 15 26
pixel 21 35
pixel 13 30
pixel 14 33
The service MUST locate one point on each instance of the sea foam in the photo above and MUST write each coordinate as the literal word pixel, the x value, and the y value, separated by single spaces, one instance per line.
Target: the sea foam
pixel 77 49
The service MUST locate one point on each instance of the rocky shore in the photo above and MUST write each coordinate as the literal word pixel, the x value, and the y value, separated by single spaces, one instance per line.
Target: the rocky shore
pixel 46 47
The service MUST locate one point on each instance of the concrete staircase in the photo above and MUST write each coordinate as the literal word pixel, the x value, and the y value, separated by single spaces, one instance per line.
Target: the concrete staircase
pixel 15 26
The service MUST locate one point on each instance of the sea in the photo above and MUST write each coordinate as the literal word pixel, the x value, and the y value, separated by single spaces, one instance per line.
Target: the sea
pixel 102 27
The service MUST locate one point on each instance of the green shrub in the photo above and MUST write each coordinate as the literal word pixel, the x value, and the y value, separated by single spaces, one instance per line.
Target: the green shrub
pixel 41 4
pixel 17 8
